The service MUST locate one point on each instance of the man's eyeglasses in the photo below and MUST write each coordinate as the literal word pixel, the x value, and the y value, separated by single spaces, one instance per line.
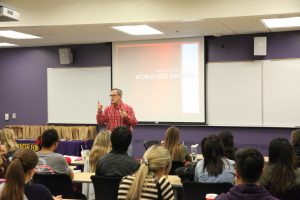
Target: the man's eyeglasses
pixel 113 95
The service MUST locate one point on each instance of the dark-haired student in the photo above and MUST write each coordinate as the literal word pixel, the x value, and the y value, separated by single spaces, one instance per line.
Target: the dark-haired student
pixel 249 166
pixel 49 161
pixel 18 175
pixel 117 162
pixel 214 167
pixel 281 174
pixel 227 140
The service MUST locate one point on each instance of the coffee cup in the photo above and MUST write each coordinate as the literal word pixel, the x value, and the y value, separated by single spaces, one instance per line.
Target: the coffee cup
pixel 85 154
pixel 210 196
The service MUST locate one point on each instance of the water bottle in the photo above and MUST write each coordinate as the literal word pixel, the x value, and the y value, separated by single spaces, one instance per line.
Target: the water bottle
pixel 194 152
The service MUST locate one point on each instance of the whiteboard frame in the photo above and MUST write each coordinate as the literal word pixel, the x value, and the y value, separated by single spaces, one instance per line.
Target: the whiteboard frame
pixel 73 93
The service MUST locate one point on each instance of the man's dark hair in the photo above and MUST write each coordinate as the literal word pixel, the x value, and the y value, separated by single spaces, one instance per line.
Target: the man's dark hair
pixel 49 137
pixel 120 139
pixel 249 164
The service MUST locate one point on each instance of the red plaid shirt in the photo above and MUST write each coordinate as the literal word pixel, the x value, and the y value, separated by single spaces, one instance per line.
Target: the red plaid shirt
pixel 112 117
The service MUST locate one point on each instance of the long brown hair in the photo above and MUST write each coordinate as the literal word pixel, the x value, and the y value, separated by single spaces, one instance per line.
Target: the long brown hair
pixel 101 146
pixel 172 143
pixel 282 164
pixel 23 161
pixel 296 137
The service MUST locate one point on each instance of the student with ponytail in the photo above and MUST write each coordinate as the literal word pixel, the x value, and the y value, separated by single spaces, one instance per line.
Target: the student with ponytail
pixel 18 175
pixel 149 181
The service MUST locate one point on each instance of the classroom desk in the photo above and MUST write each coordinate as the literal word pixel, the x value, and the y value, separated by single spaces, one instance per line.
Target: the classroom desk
pixel 65 147
pixel 77 163
pixel 84 177
pixel 200 157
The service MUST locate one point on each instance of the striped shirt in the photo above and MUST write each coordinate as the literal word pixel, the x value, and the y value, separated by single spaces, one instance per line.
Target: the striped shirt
pixel 111 116
pixel 149 190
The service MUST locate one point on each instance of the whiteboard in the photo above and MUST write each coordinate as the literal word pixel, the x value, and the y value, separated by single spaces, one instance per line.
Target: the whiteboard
pixel 234 93
pixel 281 85
pixel 73 93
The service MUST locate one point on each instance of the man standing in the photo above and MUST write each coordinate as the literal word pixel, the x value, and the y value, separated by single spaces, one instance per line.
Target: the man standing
pixel 117 114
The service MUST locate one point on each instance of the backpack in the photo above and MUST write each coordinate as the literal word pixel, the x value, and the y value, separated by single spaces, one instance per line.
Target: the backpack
pixel 186 173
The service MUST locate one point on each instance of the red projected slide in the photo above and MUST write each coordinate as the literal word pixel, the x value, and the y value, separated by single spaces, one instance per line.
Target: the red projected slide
pixel 163 80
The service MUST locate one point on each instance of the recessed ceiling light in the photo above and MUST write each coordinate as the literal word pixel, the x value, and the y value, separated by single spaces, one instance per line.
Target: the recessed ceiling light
pixel 282 22
pixel 292 21
pixel 5 44
pixel 17 35
pixel 138 30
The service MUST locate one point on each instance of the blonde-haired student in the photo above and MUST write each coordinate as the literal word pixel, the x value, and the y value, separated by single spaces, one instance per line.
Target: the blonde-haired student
pixel 149 182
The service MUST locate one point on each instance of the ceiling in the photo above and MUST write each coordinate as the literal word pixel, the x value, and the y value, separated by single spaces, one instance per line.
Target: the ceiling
pixel 102 32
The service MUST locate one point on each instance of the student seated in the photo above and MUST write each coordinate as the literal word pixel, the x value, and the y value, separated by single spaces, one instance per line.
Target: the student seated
pixel 296 145
pixel 101 146
pixel 7 138
pixel 117 162
pixel 226 138
pixel 214 167
pixel 18 175
pixel 3 161
pixel 249 166
pixel 178 151
pixel 149 181
pixel 50 162
pixel 281 174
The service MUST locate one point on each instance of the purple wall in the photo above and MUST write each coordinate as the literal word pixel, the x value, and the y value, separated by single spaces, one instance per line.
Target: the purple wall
pixel 240 47
pixel 23 84
pixel 23 78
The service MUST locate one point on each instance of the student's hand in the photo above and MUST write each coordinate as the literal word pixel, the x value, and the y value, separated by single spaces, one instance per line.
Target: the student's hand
pixel 58 197
pixel 100 106
pixel 123 114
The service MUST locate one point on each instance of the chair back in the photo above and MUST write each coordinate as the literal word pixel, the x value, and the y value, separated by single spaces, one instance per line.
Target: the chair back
pixel 175 164
pixel 58 184
pixel 197 190
pixel 292 194
pixel 148 144
pixel 106 188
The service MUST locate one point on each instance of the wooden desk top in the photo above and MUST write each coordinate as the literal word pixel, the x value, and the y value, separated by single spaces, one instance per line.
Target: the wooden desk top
pixel 84 177
pixel 77 162
pixel 200 157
